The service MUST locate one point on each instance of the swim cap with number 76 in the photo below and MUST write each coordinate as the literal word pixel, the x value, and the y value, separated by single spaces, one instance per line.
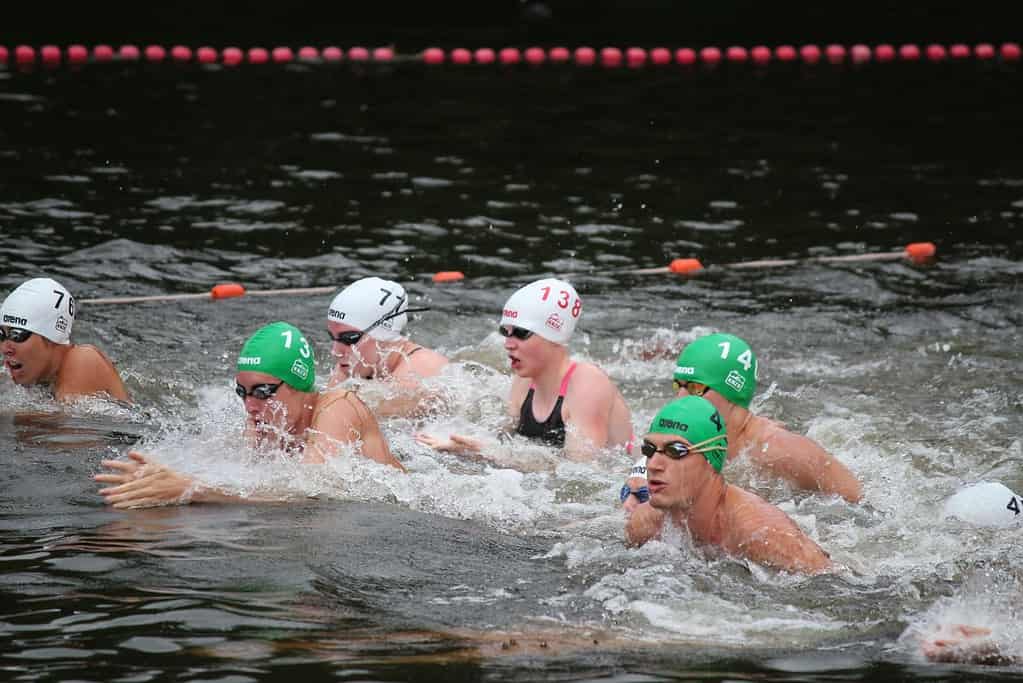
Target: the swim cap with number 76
pixel 724 363
pixel 280 350
pixel 548 307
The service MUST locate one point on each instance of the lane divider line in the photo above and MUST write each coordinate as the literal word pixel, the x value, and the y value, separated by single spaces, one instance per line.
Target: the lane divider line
pixel 917 252
pixel 611 57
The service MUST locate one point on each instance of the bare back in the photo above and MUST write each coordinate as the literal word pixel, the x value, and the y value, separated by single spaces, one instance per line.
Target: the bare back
pixel 340 417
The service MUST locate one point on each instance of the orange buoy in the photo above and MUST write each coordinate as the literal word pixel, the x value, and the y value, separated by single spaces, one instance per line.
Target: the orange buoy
pixel 685 266
pixel 227 290
pixel 920 252
pixel 448 276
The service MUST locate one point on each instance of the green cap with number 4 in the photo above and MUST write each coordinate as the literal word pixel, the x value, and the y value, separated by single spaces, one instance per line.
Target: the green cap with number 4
pixel 695 419
pixel 280 350
pixel 724 363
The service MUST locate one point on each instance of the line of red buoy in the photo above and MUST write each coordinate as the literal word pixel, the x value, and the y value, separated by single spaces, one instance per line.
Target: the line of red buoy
pixel 611 57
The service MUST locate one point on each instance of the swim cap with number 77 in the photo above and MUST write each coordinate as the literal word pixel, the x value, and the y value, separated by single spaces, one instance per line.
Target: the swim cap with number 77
pixel 548 307
pixel 724 363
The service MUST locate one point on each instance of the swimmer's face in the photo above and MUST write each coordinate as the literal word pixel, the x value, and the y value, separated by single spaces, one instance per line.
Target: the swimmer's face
pixel 30 361
pixel 526 357
pixel 353 360
pixel 674 482
pixel 267 400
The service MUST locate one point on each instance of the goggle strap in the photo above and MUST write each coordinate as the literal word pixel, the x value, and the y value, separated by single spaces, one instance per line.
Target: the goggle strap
pixel 703 447
pixel 395 314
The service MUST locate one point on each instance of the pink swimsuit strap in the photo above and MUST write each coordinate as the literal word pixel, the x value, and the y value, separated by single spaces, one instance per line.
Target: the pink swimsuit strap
pixel 564 380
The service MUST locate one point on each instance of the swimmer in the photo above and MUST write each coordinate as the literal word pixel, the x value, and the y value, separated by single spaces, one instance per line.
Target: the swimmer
pixel 723 369
pixel 276 373
pixel 554 400
pixel 365 321
pixel 35 339
pixel 692 494
pixel 986 503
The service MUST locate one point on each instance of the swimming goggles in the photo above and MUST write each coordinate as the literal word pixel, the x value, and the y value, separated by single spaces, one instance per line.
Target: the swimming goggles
pixel 15 334
pixel 676 450
pixel 678 386
pixel 352 337
pixel 260 392
pixel 642 493
pixel 520 333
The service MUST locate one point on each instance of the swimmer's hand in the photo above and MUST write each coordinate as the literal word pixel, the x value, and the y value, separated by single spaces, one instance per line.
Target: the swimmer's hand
pixel 455 443
pixel 141 482
pixel 965 644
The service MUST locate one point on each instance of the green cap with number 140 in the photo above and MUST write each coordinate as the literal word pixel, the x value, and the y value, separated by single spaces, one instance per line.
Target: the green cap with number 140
pixel 724 363
pixel 280 350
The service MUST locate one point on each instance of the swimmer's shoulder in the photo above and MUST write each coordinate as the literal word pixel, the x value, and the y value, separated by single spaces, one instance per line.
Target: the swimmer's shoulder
pixel 86 370
pixel 588 379
pixel 424 362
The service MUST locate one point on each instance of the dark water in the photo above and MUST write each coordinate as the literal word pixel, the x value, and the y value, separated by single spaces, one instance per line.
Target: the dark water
pixel 153 180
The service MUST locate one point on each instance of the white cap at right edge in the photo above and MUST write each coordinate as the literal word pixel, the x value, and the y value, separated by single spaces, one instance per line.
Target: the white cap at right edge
pixel 548 307
pixel 43 306
pixel 988 503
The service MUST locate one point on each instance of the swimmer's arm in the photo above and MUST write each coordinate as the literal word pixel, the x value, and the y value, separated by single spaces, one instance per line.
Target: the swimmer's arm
pixel 142 482
pixel 459 444
pixel 805 463
pixel 87 372
pixel 766 535
pixel 644 524
pixel 344 422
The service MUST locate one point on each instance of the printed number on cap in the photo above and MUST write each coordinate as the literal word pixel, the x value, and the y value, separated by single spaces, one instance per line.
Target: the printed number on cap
pixel 745 358
pixel 563 300
pixel 60 300
pixel 303 350
pixel 387 295
pixel 1014 505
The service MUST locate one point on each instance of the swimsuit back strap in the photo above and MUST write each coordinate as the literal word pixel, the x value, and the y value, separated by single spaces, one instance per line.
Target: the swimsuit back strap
pixel 564 380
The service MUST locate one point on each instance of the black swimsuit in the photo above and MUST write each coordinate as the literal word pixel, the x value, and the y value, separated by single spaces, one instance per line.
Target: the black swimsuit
pixel 552 430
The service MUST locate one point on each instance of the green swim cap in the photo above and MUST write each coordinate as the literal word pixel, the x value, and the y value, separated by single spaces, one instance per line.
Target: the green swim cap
pixel 724 363
pixel 279 349
pixel 699 422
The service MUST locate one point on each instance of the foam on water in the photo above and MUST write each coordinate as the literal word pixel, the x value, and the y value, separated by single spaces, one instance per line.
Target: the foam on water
pixel 894 543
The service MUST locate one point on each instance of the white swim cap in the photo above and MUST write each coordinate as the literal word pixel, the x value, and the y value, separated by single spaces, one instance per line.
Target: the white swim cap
pixel 548 307
pixel 43 306
pixel 367 301
pixel 986 504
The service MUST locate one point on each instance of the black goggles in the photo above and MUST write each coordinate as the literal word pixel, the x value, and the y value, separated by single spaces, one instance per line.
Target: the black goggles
pixel 352 337
pixel 260 392
pixel 676 450
pixel 520 333
pixel 15 334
